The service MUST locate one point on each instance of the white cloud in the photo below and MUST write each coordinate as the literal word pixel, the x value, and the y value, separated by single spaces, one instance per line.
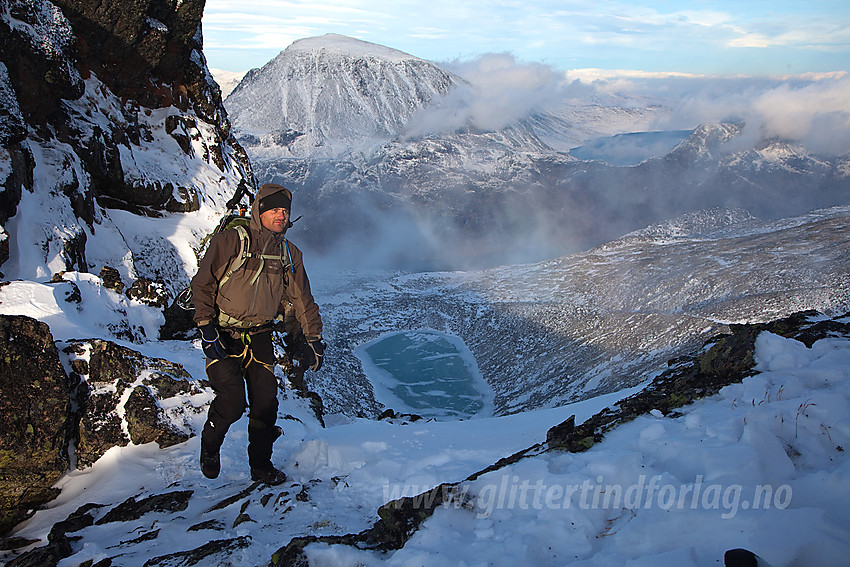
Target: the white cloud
pixel 590 75
pixel 811 108
pixel 500 91
pixel 817 114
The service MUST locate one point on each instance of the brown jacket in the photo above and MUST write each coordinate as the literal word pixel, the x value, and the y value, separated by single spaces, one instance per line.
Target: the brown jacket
pixel 258 303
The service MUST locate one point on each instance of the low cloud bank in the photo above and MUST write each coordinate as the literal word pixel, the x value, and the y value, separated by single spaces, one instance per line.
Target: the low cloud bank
pixel 499 92
pixel 813 109
pixel 448 216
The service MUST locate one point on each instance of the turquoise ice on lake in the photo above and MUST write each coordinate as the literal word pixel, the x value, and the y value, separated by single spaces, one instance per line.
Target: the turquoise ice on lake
pixel 428 373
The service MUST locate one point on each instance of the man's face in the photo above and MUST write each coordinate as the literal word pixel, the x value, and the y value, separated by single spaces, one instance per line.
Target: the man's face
pixel 276 220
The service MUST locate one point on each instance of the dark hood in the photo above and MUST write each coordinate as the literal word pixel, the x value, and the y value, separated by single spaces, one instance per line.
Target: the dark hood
pixel 264 191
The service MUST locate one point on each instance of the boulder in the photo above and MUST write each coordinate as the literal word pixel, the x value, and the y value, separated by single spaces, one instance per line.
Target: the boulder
pixel 149 292
pixel 37 398
pixel 110 371
pixel 112 279
pixel 35 403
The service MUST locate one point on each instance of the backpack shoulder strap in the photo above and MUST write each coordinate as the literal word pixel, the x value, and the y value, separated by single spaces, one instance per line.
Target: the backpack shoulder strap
pixel 278 257
pixel 244 254
pixel 287 261
pixel 240 258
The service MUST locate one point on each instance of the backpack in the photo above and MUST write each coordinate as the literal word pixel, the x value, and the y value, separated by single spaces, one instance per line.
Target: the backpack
pixel 239 222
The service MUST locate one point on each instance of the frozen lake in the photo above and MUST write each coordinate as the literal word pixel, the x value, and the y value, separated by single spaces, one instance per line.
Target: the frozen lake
pixel 428 373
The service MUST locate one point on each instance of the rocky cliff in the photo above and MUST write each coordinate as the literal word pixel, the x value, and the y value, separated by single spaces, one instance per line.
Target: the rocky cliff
pixel 106 105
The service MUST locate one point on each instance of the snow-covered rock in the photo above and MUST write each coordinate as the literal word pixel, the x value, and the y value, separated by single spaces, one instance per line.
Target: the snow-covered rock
pixel 83 137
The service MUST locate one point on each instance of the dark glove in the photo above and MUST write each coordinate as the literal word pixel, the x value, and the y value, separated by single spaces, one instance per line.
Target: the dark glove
pixel 213 343
pixel 318 348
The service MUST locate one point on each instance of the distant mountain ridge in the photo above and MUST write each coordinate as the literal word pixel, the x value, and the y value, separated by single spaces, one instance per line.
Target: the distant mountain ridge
pixel 354 129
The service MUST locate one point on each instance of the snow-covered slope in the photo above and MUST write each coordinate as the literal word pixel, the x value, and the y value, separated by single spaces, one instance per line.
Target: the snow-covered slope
pixel 759 465
pixel 332 94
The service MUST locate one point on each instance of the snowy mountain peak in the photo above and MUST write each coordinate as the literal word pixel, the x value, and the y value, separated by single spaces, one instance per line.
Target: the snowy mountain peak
pixel 335 45
pixel 331 94
pixel 705 140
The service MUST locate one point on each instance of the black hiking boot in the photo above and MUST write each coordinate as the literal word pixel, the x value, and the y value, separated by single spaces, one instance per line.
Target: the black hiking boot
pixel 268 475
pixel 210 462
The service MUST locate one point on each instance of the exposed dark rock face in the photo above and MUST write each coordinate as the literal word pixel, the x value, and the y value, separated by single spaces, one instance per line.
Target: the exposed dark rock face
pixel 145 421
pixel 149 292
pixel 13 131
pixel 45 71
pixel 59 543
pixel 4 246
pixel 216 548
pixel 111 279
pixel 138 56
pixel 40 67
pixel 38 398
pixel 214 552
pixel 143 50
pixel 178 323
pixel 132 509
pixel 36 406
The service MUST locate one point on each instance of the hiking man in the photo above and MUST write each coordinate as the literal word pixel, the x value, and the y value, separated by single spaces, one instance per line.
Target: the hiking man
pixel 238 291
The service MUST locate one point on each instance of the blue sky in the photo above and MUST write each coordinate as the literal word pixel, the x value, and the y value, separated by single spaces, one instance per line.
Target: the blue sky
pixel 717 38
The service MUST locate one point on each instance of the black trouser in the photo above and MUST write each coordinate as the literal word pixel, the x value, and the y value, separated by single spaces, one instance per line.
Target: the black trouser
pixel 229 378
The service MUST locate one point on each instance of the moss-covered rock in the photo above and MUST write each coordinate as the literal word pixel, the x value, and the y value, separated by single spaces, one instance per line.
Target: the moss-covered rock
pixel 35 404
